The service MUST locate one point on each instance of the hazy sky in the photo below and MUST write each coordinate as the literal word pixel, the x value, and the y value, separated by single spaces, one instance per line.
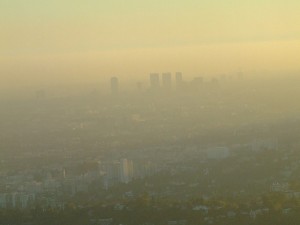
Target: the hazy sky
pixel 81 40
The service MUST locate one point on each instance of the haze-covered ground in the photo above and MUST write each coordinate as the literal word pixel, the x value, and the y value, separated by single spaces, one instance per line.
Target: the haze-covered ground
pixel 201 142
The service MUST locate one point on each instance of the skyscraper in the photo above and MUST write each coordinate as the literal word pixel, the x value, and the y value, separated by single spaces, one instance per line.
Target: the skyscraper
pixel 114 84
pixel 179 81
pixel 112 171
pixel 126 172
pixel 167 81
pixel 154 81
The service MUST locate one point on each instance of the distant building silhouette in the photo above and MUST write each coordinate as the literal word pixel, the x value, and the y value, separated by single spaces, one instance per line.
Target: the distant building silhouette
pixel 126 171
pixel 112 173
pixel 218 153
pixel 167 81
pixel 154 81
pixel 114 84
pixel 118 171
pixel 179 81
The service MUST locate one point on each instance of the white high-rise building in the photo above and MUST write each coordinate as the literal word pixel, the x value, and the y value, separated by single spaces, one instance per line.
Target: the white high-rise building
pixel 154 81
pixel 126 172
pixel 167 81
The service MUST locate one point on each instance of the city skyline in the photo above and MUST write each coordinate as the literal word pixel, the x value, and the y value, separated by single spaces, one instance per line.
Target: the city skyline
pixel 149 112
pixel 63 42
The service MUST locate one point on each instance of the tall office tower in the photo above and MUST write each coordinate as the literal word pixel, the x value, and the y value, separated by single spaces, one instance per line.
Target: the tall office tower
pixel 126 172
pixel 167 81
pixel 179 81
pixel 154 81
pixel 114 84
pixel 112 171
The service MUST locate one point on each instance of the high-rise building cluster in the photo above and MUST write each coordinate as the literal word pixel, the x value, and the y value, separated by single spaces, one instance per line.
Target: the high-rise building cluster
pixel 16 200
pixel 156 82
pixel 124 171
pixel 166 82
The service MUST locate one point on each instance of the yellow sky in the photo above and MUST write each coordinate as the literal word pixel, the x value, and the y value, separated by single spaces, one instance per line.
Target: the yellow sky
pixel 42 41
